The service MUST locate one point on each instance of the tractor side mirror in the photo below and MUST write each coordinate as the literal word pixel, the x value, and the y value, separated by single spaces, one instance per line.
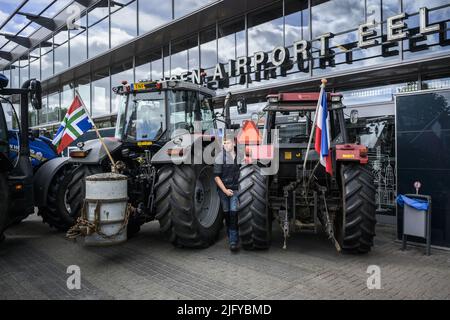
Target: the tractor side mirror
pixel 354 117
pixel 242 106
pixel 36 94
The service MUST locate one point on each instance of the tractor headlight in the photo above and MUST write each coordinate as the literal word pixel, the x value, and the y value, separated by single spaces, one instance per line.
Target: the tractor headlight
pixel 273 100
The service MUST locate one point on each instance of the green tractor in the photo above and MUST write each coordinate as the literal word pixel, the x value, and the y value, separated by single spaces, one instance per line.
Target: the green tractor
pixel 299 194
pixel 165 142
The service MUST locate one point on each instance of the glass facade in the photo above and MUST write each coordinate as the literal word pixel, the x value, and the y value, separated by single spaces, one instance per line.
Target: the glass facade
pixel 280 24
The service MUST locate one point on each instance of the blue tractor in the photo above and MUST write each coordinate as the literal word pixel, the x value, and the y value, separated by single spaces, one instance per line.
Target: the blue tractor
pixel 16 175
pixel 31 172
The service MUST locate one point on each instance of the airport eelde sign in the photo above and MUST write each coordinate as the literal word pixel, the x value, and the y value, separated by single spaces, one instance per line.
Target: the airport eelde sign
pixel 278 62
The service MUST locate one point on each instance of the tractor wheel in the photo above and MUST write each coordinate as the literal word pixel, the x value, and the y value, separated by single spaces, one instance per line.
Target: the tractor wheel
pixel 66 196
pixel 188 206
pixel 255 223
pixel 356 229
pixel 4 201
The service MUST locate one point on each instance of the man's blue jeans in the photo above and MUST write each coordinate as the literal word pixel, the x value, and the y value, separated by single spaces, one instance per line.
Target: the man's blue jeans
pixel 230 208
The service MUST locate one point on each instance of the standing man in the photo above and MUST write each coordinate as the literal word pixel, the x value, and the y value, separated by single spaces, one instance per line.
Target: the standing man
pixel 226 172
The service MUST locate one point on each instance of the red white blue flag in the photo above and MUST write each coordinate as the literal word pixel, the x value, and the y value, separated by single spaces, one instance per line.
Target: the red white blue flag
pixel 75 123
pixel 322 141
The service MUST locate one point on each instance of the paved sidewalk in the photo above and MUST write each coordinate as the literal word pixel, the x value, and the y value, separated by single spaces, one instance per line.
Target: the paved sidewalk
pixel 34 259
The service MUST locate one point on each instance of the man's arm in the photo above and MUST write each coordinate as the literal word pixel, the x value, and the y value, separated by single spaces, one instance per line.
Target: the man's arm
pixel 222 187
pixel 217 173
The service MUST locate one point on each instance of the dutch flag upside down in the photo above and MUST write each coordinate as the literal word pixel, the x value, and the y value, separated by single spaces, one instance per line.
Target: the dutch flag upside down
pixel 322 140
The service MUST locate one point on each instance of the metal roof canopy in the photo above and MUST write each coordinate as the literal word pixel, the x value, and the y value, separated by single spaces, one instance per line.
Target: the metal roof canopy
pixel 154 40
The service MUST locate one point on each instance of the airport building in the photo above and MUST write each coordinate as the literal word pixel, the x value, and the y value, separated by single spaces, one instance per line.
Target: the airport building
pixel 369 50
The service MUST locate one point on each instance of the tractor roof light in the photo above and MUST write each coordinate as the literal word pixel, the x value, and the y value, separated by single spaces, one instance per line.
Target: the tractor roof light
pixel 336 98
pixel 273 99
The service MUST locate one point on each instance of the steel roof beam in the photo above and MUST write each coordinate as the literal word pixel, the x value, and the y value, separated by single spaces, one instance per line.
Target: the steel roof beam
pixel 26 42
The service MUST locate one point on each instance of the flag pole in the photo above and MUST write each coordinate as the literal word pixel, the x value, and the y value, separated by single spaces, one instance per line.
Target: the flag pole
pixel 322 91
pixel 113 163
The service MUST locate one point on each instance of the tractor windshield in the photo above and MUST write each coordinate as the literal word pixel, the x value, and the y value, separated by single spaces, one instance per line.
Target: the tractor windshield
pixel 292 129
pixel 141 117
pixel 188 108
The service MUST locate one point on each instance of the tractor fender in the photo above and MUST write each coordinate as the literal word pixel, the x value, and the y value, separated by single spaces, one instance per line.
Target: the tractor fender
pixel 44 177
pixel 188 143
pixel 96 152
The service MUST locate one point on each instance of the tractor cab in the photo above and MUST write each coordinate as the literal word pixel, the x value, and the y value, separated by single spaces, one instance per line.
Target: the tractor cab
pixel 152 112
pixel 293 114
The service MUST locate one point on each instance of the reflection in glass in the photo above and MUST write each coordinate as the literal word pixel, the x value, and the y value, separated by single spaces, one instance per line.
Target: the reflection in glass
pixel 67 95
pixel 208 48
pixel 53 107
pixel 184 7
pixel 98 38
pixel 83 86
pixel 123 23
pixel 78 43
pixel 153 14
pixel 120 72
pixel 101 93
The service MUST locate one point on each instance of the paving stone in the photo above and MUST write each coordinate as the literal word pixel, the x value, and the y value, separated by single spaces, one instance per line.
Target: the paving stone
pixel 34 260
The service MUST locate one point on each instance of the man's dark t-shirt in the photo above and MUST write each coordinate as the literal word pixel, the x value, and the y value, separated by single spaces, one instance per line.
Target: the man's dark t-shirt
pixel 227 169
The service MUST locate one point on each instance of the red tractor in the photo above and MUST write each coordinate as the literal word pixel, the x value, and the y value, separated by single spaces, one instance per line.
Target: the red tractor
pixel 276 183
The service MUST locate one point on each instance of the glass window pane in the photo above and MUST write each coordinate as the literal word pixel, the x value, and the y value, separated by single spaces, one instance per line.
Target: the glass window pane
pixel 101 93
pixel 153 13
pixel 208 48
pixel 98 38
pixel 157 70
pixel 123 22
pixel 336 16
pixel 78 43
pixel 67 95
pixel 296 21
pixel 430 44
pixel 119 73
pixel 47 65
pixel 231 40
pixel 265 29
pixel 61 57
pixel 83 86
pixel 24 70
pixel 179 55
pixel 35 64
pixel 265 32
pixel 166 55
pixel 184 7
pixel 53 107
pixel 14 81
pixel 42 114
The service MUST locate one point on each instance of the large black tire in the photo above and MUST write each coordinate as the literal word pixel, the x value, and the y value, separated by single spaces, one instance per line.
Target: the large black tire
pixel 66 196
pixel 356 228
pixel 4 202
pixel 187 205
pixel 255 223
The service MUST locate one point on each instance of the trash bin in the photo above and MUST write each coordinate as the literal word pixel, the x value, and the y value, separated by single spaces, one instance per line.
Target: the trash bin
pixel 416 218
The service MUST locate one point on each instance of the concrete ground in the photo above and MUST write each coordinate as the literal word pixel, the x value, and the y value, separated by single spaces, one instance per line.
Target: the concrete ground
pixel 34 261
